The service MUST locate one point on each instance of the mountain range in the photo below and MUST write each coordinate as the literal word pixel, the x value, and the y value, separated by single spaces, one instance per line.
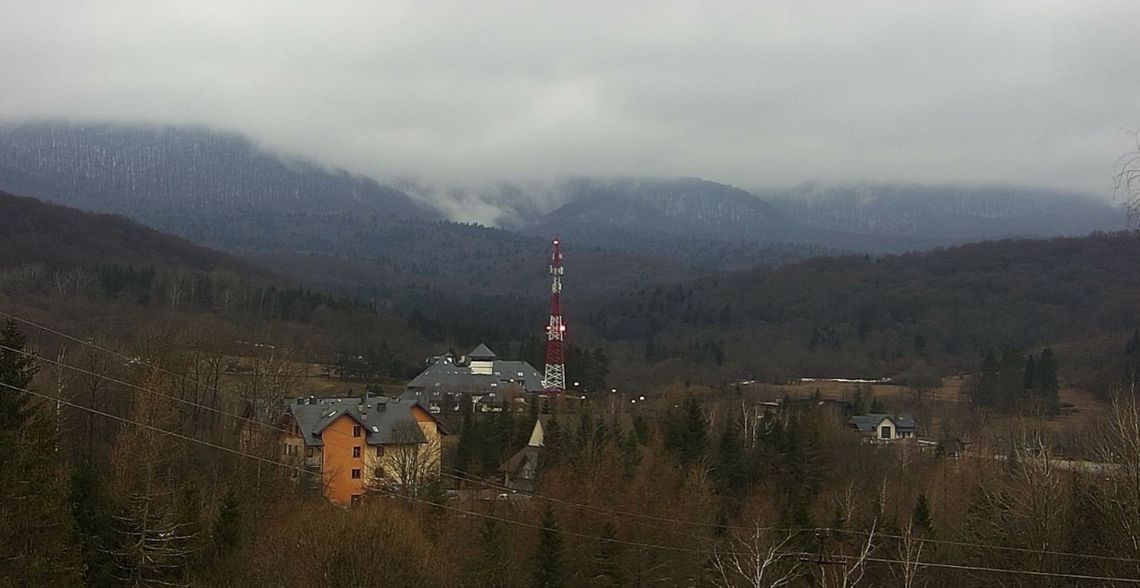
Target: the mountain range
pixel 222 190
pixel 948 214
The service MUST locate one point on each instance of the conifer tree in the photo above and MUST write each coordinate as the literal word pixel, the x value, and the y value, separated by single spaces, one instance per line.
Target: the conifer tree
pixel 606 560
pixel 730 466
pixel 548 559
pixel 1031 375
pixel 922 513
pixel 553 443
pixel 91 513
pixel 465 452
pixel 687 433
pixel 37 541
pixel 1047 380
pixel 227 527
pixel 494 566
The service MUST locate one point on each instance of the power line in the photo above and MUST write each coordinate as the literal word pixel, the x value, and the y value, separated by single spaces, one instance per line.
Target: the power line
pixel 533 526
pixel 552 499
pixel 626 513
pixel 988 546
pixel 152 427
pixel 600 510
pixel 225 413
pixel 310 472
pixel 930 564
pixel 788 530
pixel 127 384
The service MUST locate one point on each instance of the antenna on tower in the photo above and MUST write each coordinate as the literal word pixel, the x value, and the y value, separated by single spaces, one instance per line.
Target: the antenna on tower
pixel 555 377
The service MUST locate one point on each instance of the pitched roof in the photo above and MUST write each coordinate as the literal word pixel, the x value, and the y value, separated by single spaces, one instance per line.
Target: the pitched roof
pixel 384 420
pixel 482 352
pixel 444 372
pixel 869 422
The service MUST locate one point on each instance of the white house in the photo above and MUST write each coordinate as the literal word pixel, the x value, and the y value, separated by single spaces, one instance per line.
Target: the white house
pixel 882 428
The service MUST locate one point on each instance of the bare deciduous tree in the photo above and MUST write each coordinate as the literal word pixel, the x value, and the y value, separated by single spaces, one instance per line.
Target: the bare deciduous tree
pixel 1119 446
pixel 154 546
pixel 909 556
pixel 849 570
pixel 409 465
pixel 1126 179
pixel 753 560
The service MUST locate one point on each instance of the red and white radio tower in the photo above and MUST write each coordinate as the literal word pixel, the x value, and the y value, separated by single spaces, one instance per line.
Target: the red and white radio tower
pixel 555 376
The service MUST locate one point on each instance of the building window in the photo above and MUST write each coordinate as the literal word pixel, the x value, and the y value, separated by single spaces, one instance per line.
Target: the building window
pixel 379 451
pixel 356 451
pixel 885 432
pixel 356 431
pixel 356 474
pixel 356 500
pixel 309 452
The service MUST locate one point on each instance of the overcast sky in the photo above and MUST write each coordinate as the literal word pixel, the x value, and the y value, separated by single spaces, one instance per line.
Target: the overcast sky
pixel 756 94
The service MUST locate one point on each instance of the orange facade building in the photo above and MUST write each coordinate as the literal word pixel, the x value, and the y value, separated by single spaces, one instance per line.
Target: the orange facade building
pixel 362 444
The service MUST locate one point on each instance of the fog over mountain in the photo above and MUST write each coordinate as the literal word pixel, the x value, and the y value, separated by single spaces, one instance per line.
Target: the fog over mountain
pixel 949 213
pixel 767 94
pixel 221 189
pixel 136 169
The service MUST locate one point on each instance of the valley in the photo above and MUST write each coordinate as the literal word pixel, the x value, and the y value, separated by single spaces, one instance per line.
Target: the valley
pixel 211 305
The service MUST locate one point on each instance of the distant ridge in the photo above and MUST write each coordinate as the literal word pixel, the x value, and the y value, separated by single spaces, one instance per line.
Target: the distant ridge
pixel 36 232
pixel 948 214
pixel 134 169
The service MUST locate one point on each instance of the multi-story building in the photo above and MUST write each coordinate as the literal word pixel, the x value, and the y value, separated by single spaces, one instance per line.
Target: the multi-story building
pixel 491 383
pixel 362 444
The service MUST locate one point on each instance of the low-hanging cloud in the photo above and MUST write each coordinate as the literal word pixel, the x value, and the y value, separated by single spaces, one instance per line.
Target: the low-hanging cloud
pixel 753 94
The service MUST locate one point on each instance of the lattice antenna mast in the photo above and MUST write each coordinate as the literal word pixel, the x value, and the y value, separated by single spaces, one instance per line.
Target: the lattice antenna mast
pixel 555 376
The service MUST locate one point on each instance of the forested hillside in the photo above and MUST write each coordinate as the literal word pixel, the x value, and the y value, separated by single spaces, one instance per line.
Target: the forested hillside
pixel 696 220
pixel 945 215
pixel 114 280
pixel 331 230
pixel 858 316
pixel 32 231
pixel 140 169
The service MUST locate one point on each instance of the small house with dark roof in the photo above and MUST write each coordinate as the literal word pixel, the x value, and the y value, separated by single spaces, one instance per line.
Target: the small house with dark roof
pixel 883 428
pixel 359 443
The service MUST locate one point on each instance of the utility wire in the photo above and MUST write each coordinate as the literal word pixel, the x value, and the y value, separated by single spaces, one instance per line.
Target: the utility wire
pixel 552 499
pixel 288 466
pixel 566 532
pixel 600 510
pixel 130 385
pixel 930 564
pixel 986 546
pixel 152 427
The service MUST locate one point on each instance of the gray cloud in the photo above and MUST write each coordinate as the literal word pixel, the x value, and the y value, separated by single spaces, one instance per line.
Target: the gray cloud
pixel 756 94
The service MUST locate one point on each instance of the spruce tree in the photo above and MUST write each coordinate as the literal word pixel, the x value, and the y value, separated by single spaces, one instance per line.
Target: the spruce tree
pixel 548 559
pixel 466 450
pixel 1047 380
pixel 922 513
pixel 1031 375
pixel 730 466
pixel 606 560
pixel 37 539
pixel 687 434
pixel 91 512
pixel 227 527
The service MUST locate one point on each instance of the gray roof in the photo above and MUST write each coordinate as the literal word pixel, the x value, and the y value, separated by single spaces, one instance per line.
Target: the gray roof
pixel 384 420
pixel 445 373
pixel 482 352
pixel 868 422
